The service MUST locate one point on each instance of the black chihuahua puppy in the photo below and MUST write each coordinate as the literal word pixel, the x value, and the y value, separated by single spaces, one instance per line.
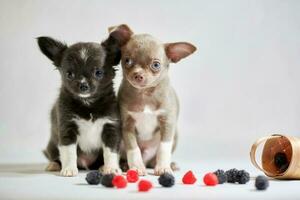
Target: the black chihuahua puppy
pixel 85 119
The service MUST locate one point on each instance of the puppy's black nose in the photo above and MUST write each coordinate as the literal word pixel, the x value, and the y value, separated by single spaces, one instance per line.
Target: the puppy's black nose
pixel 139 78
pixel 84 87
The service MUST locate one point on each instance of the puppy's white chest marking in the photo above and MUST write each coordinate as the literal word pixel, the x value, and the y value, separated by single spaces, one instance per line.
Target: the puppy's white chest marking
pixel 146 122
pixel 89 137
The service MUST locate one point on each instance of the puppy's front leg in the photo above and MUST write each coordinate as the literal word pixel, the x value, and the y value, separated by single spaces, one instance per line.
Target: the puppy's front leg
pixel 111 162
pixel 111 138
pixel 134 156
pixel 68 150
pixel 164 153
pixel 68 158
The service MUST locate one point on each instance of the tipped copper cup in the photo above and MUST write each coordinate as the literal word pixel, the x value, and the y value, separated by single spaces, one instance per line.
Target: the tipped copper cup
pixel 280 156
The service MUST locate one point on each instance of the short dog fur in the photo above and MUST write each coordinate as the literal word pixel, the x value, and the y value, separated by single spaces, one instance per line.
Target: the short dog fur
pixel 148 103
pixel 85 119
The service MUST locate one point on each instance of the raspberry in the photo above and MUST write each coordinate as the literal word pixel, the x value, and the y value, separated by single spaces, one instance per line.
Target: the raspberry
pixel 189 178
pixel 132 176
pixel 261 183
pixel 222 178
pixel 166 180
pixel 210 179
pixel 144 186
pixel 93 177
pixel 119 181
pixel 106 180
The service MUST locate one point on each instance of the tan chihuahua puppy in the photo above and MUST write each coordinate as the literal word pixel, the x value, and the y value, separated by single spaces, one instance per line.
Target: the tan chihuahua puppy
pixel 148 103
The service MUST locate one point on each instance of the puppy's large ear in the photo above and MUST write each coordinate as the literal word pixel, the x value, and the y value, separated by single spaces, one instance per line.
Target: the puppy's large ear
pixel 53 49
pixel 121 33
pixel 176 51
pixel 118 36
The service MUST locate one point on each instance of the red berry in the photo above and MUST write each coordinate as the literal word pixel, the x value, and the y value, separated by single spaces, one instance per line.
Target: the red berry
pixel 144 186
pixel 189 178
pixel 132 176
pixel 210 179
pixel 119 181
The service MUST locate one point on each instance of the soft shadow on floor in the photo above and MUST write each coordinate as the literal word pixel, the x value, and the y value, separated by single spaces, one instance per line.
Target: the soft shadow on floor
pixel 23 169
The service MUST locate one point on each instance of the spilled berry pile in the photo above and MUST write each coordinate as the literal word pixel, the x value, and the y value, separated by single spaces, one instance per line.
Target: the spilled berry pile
pixel 220 176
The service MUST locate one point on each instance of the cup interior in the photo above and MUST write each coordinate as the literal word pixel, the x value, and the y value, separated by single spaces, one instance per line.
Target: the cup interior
pixel 277 155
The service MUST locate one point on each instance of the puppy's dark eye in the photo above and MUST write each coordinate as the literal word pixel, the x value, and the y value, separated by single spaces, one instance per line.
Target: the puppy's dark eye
pixel 128 62
pixel 70 75
pixel 99 73
pixel 155 66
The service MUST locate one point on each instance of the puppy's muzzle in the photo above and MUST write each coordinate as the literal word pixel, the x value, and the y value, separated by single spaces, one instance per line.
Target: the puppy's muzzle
pixel 84 87
pixel 139 78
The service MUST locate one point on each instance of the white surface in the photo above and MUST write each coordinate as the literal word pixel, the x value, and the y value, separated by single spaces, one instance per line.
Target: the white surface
pixel 29 181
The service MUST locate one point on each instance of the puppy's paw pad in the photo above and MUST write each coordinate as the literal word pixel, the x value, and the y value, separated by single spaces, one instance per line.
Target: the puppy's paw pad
pixel 162 170
pixel 53 166
pixel 110 170
pixel 69 171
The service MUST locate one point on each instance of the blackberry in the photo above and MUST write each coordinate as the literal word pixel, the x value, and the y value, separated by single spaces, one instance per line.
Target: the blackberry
pixel 232 175
pixel 166 180
pixel 281 161
pixel 93 177
pixel 261 183
pixel 106 180
pixel 222 177
pixel 242 177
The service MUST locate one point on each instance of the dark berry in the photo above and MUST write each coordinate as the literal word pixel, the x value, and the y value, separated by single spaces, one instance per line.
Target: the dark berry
pixel 281 161
pixel 232 175
pixel 166 180
pixel 222 178
pixel 239 176
pixel 106 180
pixel 93 177
pixel 242 177
pixel 261 183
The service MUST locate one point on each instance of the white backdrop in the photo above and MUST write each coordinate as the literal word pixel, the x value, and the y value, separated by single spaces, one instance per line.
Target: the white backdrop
pixel 241 84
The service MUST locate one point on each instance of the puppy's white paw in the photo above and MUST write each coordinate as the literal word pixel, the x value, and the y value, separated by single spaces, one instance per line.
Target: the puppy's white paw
pixel 140 168
pixel 110 170
pixel 159 170
pixel 69 171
